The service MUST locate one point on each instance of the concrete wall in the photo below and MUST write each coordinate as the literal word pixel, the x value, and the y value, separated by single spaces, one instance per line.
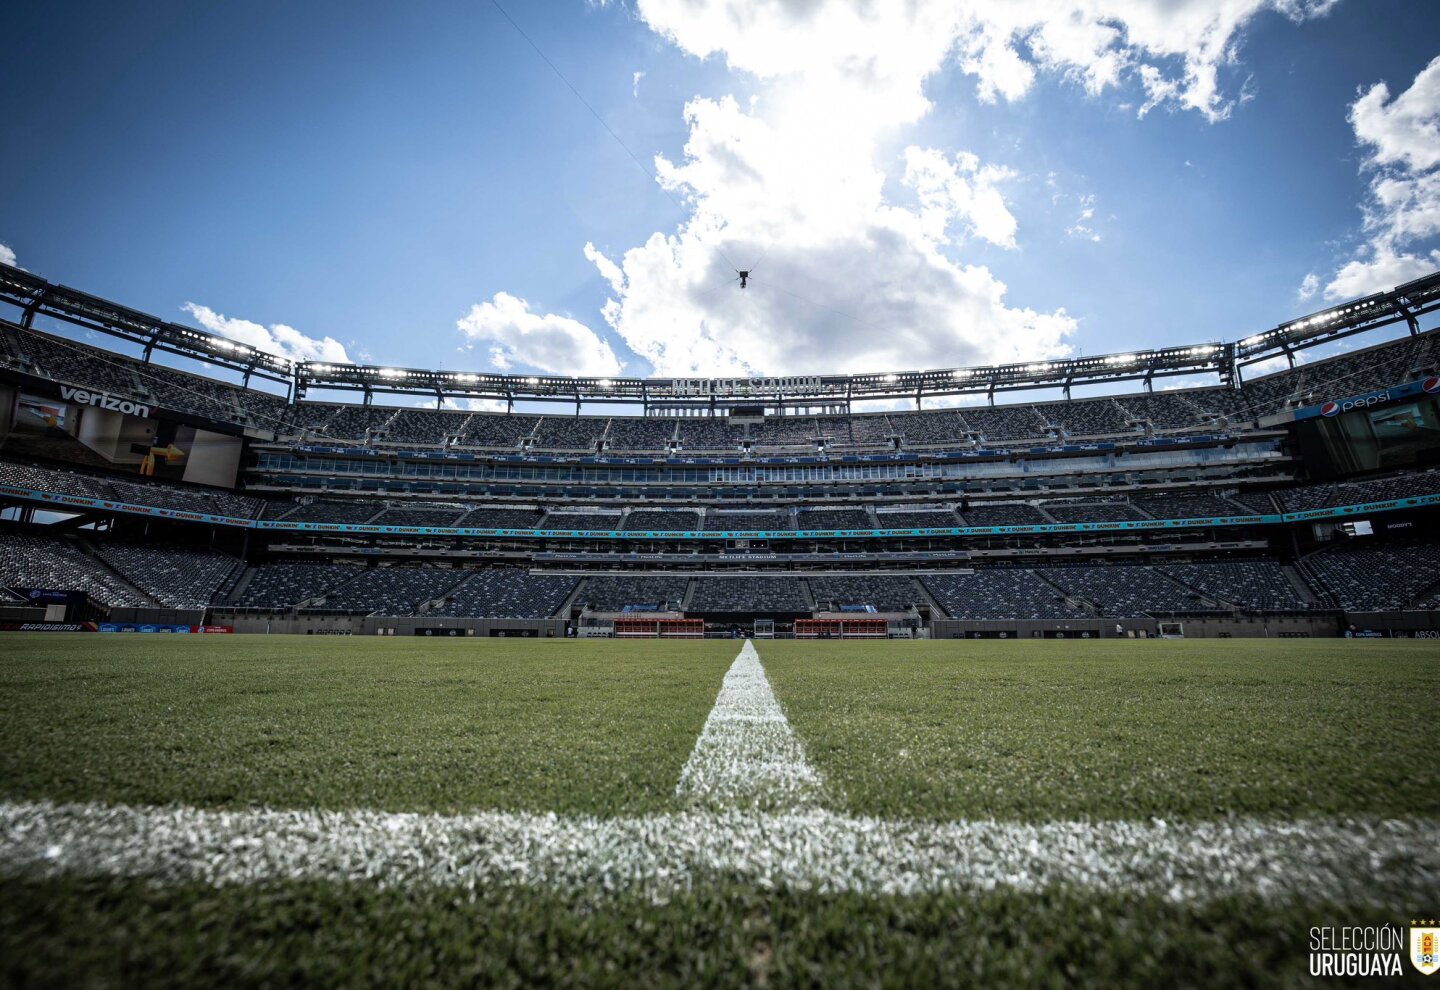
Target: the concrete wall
pixel 1194 628
pixel 1041 629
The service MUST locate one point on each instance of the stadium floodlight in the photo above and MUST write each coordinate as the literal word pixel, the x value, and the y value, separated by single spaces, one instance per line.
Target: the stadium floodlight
pixel 391 373
pixel 605 383
pixel 1120 359
pixel 532 381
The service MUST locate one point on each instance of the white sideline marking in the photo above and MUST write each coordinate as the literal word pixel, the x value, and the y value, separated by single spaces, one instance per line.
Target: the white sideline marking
pixel 747 755
pixel 1360 861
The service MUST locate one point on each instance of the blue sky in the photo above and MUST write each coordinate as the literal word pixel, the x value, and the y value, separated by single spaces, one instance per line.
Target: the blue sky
pixel 414 183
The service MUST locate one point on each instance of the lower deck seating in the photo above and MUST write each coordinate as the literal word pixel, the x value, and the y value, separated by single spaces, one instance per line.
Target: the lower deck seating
pixel 506 594
pixel 886 592
pixel 175 576
pixel 30 560
pixel 392 590
pixel 1260 585
pixel 285 584
pixel 759 595
pixel 612 593
pixel 999 593
pixel 1125 590
pixel 1377 576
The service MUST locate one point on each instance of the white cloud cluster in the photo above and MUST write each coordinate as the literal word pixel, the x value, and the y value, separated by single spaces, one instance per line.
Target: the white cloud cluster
pixel 550 343
pixel 277 338
pixel 7 256
pixel 1402 214
pixel 1174 48
pixel 864 251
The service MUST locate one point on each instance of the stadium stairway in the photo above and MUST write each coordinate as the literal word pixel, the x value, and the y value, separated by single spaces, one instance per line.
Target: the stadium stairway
pixel 1321 594
pixel 808 594
pixel 689 594
pixel 923 595
pixel 1075 601
pixel 1239 508
pixel 563 611
pixel 1428 594
pixel 1206 599
pixel 318 600
pixel 89 551
pixel 1301 586
pixel 234 584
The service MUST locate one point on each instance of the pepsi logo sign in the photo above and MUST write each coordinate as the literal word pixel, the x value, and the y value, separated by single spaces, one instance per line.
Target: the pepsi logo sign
pixel 1430 386
pixel 1360 402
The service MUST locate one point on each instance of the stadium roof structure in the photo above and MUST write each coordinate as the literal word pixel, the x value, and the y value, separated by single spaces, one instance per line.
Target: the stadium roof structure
pixel 34 296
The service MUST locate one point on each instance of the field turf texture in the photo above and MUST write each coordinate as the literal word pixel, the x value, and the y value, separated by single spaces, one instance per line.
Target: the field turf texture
pixel 1100 731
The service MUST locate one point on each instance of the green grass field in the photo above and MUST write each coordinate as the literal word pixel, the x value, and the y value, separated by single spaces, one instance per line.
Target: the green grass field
pixel 928 732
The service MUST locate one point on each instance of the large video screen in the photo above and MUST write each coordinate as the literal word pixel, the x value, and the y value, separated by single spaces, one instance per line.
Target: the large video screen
pixel 1402 435
pixel 90 429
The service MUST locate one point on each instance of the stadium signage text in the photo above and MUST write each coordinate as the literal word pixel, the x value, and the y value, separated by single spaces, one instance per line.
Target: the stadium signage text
pixel 745 386
pixel 1427 386
pixel 1361 402
pixel 103 400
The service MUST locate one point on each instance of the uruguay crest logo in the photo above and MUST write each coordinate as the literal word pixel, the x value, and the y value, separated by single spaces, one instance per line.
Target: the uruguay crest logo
pixel 1425 949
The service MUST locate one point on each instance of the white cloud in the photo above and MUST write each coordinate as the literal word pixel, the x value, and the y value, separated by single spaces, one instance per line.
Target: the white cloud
pixel 960 192
pixel 864 250
pixel 844 279
pixel 635 78
pixel 1082 228
pixel 1309 285
pixel 7 256
pixel 1404 131
pixel 1402 211
pixel 549 343
pixel 1381 269
pixel 1175 48
pixel 277 338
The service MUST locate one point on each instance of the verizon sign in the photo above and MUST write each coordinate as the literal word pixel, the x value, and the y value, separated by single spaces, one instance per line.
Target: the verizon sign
pixel 102 400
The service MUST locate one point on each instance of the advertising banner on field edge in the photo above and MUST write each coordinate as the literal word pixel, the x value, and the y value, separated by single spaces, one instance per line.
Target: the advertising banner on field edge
pixel 148 627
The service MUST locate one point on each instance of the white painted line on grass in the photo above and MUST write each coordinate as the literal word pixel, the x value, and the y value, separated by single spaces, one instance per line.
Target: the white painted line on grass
pixel 1362 861
pixel 754 818
pixel 747 756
